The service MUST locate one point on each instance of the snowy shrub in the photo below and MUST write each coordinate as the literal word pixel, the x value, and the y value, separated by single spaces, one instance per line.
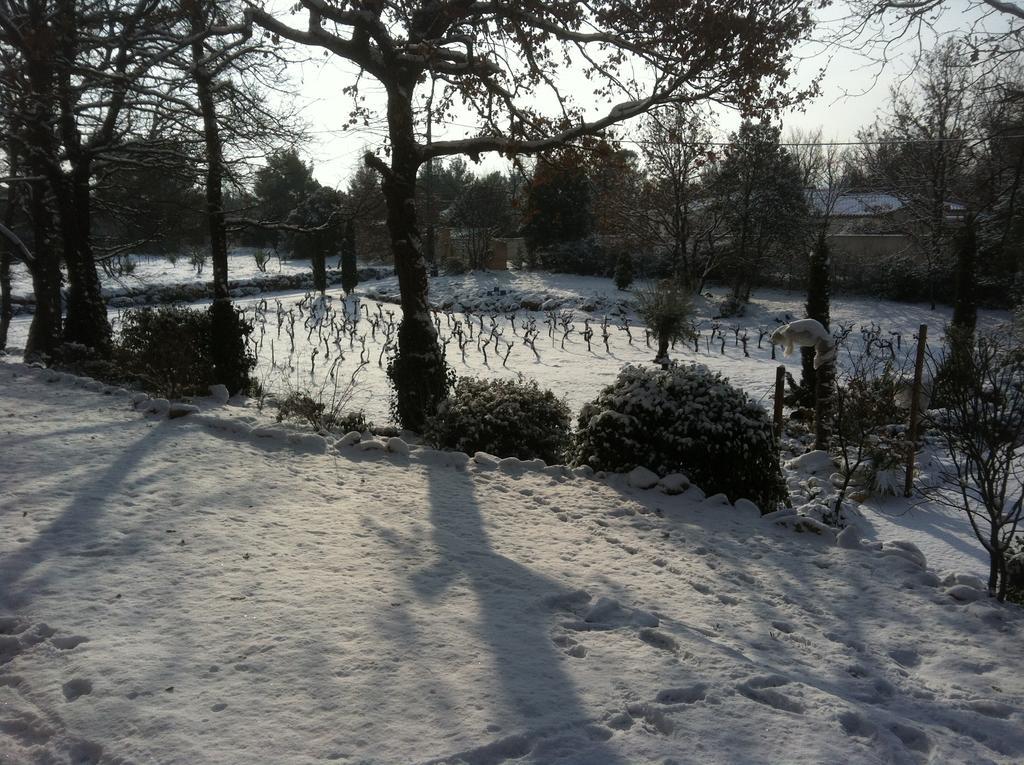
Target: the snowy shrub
pixel 323 415
pixel 683 420
pixel 502 417
pixel 731 307
pixel 867 438
pixel 454 266
pixel 84 361
pixel 169 349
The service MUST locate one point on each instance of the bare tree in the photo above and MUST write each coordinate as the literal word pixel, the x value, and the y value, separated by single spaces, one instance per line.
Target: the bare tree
pixel 992 31
pixel 493 58
pixel 74 84
pixel 863 408
pixel 677 146
pixel 481 212
pixel 922 150
pixel 981 428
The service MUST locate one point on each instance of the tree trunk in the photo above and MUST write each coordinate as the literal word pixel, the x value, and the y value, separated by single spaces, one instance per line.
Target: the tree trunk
pixel 86 321
pixel 40 154
pixel 318 260
pixel 418 371
pixel 6 308
pixel 227 343
pixel 44 333
pixel 663 358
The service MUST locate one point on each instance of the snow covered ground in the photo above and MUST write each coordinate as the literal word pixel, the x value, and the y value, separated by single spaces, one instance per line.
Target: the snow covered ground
pixel 215 589
pixel 160 270
pixel 287 336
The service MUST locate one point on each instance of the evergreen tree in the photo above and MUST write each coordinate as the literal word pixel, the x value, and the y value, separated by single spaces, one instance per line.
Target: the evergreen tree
pixel 349 271
pixel 558 202
pixel 759 190
pixel 624 271
pixel 816 384
pixel 321 212
pixel 965 305
pixel 281 186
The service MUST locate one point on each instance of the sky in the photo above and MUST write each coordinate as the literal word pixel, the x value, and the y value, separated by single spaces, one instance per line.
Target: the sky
pixel 854 89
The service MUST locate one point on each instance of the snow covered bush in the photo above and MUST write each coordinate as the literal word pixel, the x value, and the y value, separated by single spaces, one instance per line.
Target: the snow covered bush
pixel 324 416
pixel 169 349
pixel 683 420
pixel 502 417
pixel 868 439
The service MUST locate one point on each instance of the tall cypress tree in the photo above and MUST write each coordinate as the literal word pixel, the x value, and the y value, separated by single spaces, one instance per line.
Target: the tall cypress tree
pixel 819 296
pixel 349 272
pixel 816 384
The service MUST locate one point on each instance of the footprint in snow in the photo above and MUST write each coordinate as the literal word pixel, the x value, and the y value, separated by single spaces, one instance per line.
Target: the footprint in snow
pixel 658 639
pixel 761 689
pixel 990 708
pixel 68 642
pixel 784 626
pixel 856 724
pixel 608 614
pixel 74 689
pixel 570 646
pixel 689 694
pixel 911 738
pixel 905 657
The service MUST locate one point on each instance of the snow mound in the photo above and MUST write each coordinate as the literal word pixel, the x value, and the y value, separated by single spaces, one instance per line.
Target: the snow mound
pixel 816 462
pixel 642 478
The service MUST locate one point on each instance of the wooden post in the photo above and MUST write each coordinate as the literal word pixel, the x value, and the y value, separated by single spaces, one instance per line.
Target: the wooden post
pixel 780 389
pixel 915 399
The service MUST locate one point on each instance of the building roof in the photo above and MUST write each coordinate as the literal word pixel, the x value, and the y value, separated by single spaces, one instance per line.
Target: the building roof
pixel 853 204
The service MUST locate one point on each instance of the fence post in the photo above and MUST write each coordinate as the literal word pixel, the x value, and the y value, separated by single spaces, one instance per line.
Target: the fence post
pixel 915 398
pixel 780 389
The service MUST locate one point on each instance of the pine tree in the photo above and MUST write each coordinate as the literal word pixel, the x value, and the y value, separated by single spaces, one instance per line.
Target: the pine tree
pixel 816 384
pixel 819 291
pixel 349 272
pixel 624 271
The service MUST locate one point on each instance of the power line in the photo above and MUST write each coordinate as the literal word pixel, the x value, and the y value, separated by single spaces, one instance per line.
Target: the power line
pixel 878 142
pixel 884 142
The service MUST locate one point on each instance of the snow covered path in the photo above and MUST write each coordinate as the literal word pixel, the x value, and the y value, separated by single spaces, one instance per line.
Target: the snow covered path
pixel 174 593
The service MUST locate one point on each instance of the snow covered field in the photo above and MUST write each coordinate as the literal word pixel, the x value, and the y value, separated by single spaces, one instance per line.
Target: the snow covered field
pixel 573 371
pixel 207 589
pixel 159 270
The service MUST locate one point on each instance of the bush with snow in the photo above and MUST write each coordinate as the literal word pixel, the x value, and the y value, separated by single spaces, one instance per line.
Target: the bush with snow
pixel 170 349
pixel 502 417
pixel 325 416
pixel 683 420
